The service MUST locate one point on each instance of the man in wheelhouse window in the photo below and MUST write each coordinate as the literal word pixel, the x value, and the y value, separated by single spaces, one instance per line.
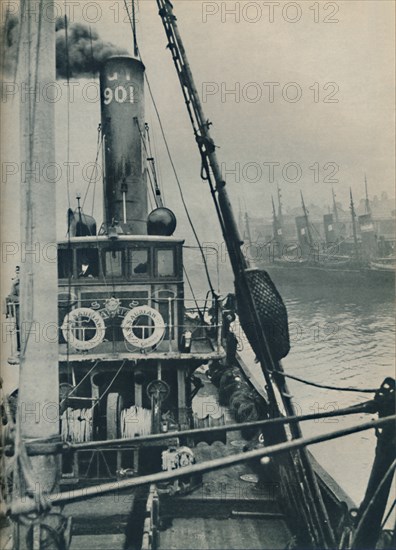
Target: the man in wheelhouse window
pixel 86 270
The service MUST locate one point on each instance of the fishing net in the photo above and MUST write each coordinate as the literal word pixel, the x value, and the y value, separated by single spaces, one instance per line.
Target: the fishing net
pixel 271 311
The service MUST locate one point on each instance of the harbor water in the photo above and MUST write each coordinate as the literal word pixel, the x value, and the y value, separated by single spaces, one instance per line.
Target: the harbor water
pixel 340 336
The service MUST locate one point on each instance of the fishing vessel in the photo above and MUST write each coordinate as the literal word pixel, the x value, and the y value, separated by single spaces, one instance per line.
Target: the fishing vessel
pixel 137 422
pixel 331 257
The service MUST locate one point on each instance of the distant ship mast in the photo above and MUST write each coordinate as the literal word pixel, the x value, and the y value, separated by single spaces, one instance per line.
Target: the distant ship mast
pixel 354 230
pixel 307 222
pixel 274 218
pixel 367 202
pixel 247 227
pixel 280 213
pixel 335 208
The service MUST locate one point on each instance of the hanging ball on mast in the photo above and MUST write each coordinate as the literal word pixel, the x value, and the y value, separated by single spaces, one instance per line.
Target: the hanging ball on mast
pixel 161 222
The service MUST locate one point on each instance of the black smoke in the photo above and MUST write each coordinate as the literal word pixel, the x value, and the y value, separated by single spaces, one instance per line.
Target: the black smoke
pixel 82 54
pixel 86 50
pixel 9 44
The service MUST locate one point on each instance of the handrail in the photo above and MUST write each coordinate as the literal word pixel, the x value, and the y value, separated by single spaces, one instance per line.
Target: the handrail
pixel 175 329
pixel 24 506
pixel 367 407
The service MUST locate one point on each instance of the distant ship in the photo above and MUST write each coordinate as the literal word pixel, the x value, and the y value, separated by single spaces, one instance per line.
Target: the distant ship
pixel 362 258
pixel 120 404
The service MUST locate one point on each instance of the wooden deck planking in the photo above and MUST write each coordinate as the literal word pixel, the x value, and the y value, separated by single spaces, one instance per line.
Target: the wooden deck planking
pixel 218 534
pixel 98 542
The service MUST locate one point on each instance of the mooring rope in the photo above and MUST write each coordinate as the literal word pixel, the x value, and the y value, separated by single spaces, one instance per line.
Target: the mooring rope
pixel 326 386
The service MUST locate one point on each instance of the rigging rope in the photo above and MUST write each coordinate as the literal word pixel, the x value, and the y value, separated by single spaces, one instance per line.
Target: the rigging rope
pixel 192 294
pixel 180 188
pixel 171 160
pixel 132 21
pixel 388 514
pixel 109 386
pixel 154 184
pixel 325 386
pixel 156 155
pixel 135 46
pixel 152 162
pixel 94 167
pixel 79 384
pixel 337 244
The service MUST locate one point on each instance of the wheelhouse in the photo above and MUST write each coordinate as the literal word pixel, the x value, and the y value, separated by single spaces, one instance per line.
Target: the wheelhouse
pixel 127 260
pixel 126 296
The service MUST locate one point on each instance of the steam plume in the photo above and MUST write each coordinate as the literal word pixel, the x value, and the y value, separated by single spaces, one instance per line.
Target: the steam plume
pixel 86 50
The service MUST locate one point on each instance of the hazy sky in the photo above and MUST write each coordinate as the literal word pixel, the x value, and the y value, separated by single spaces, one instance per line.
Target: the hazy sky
pixel 341 127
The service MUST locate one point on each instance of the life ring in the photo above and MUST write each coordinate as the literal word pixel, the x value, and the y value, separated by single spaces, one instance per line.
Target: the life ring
pixel 129 326
pixel 73 324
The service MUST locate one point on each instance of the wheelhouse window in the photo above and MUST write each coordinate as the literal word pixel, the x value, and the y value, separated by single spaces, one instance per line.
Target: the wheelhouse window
pixel 87 262
pixel 65 263
pixel 165 260
pixel 113 260
pixel 138 260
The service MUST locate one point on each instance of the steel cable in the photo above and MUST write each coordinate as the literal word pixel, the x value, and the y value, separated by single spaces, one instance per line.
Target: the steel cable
pixel 326 386
pixel 19 506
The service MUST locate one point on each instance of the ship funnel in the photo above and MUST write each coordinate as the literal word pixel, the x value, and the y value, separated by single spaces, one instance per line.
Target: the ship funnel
pixel 368 236
pixel 303 235
pixel 331 229
pixel 122 105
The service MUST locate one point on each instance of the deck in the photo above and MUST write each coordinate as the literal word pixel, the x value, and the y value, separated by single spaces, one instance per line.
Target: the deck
pixel 230 509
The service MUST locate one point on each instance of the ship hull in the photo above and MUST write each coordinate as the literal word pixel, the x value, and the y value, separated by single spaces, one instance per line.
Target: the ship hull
pixel 325 276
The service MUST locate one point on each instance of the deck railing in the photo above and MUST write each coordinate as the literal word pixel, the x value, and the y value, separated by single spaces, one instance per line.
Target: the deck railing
pixel 172 325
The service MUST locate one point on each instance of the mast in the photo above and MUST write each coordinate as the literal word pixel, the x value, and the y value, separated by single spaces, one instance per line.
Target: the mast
pixel 369 244
pixel 240 215
pixel 310 240
pixel 280 213
pixel 38 398
pixel 279 221
pixel 367 202
pixel 250 284
pixel 335 209
pixel 274 218
pixel 353 215
pixel 210 164
pixel 277 229
pixel 247 227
